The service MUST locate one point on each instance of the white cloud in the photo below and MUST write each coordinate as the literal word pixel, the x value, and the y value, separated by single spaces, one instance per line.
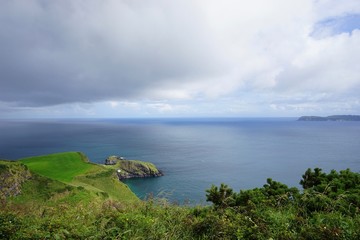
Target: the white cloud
pixel 327 65
pixel 114 104
pixel 161 107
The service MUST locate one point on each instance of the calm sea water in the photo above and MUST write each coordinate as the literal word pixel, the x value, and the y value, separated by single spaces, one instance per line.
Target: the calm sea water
pixel 195 153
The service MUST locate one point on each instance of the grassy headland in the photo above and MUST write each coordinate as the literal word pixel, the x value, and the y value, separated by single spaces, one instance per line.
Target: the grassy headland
pixel 74 170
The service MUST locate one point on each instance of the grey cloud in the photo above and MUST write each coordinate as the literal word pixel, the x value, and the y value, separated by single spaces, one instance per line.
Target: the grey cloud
pixel 83 51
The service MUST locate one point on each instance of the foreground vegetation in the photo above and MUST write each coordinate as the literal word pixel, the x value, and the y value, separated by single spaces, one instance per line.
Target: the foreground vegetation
pixel 327 207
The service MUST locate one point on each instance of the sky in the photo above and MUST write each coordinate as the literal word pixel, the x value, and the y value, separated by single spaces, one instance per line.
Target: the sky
pixel 179 58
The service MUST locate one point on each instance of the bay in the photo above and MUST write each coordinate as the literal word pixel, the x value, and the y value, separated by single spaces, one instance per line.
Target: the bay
pixel 194 153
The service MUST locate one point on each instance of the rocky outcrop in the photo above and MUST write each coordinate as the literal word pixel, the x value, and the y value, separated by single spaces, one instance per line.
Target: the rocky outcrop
pixel 137 169
pixel 132 168
pixel 12 175
pixel 112 160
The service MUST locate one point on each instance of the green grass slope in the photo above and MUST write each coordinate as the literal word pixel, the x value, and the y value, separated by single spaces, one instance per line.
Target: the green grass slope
pixel 104 182
pixel 74 169
pixel 22 187
pixel 59 166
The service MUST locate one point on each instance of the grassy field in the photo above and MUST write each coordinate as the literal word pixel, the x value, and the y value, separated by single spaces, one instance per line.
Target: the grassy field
pixel 59 166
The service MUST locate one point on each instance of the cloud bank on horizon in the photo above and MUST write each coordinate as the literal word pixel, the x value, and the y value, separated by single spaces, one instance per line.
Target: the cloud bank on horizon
pixel 79 58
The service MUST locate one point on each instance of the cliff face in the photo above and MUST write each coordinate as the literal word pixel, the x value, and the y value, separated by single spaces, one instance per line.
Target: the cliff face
pixel 12 175
pixel 331 118
pixel 137 169
pixel 132 168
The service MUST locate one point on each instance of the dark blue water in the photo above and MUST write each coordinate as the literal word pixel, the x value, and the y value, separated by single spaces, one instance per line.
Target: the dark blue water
pixel 195 153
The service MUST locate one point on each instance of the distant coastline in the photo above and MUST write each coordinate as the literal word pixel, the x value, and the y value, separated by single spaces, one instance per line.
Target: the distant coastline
pixel 331 118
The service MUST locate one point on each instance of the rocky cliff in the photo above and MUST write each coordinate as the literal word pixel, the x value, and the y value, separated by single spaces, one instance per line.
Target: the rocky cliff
pixel 132 168
pixel 331 118
pixel 12 175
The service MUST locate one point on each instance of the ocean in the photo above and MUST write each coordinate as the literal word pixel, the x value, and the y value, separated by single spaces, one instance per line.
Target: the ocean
pixel 194 153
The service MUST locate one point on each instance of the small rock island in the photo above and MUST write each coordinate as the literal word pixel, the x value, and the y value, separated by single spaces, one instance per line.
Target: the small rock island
pixel 331 118
pixel 132 168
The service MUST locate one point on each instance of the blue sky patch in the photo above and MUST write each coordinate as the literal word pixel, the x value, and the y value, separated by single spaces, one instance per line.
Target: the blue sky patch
pixel 337 25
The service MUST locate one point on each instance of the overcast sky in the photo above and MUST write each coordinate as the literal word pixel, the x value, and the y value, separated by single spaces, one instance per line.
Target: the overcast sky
pixel 179 58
